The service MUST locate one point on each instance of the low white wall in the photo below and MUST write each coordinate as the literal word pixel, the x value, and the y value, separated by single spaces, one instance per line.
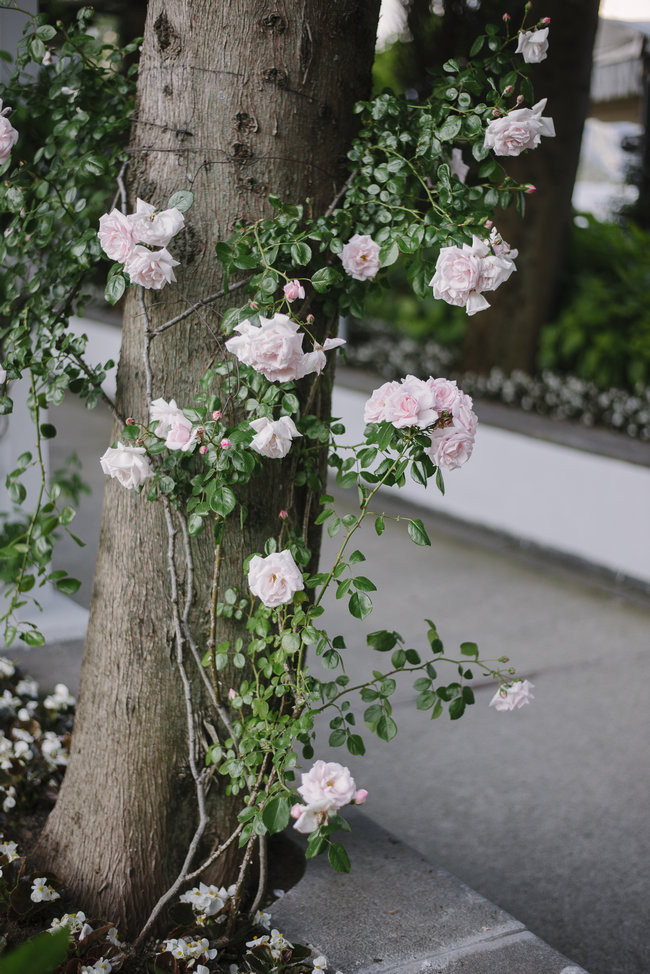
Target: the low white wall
pixel 582 504
pixel 578 503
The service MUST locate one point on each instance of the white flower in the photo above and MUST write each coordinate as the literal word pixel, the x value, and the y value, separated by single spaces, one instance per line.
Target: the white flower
pixel 100 965
pixel 165 414
pixel 274 348
pixel 150 268
pixel 7 668
pixel 310 817
pixel 9 849
pixel 273 437
pixel 27 688
pixel 533 45
pixel 61 699
pixel 274 579
pixel 520 129
pixel 42 892
pixel 116 236
pixel 330 782
pixel 53 750
pixel 514 695
pixel 128 464
pixel 206 899
pixel 10 799
pixel 73 921
pixel 8 134
pixel 3 376
pixel 112 937
pixel 320 963
pixel 155 228
pixel 360 257
pixel 262 919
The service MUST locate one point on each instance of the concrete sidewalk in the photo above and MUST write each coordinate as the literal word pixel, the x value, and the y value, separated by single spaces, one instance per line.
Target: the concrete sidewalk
pixel 544 810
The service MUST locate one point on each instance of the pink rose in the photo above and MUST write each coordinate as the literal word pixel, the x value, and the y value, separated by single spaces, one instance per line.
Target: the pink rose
pixel 273 348
pixel 360 796
pixel 180 435
pixel 274 579
pixel 8 134
pixel 310 817
pixel 457 277
pixel 457 166
pixel 328 782
pixel 445 393
pixel 293 290
pixel 116 236
pixel 155 228
pixel 513 696
pixel 150 268
pixel 165 414
pixel 451 447
pixel 375 408
pixel 360 257
pixel 464 417
pixel 410 404
pixel 521 129
pixel 533 45
pixel 128 464
pixel 273 437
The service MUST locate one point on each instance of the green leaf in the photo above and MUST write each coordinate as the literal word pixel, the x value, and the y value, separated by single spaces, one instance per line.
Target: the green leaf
pixel 379 524
pixel 48 432
pixel 450 129
pixel 300 253
pixel 324 278
pixel 388 253
pixel 315 845
pixel 382 640
pixel 194 524
pixel 181 200
pixel 223 501
pixel 290 642
pixel 115 287
pixel 457 708
pixel 33 637
pixel 276 814
pixel 46 32
pixel 360 605
pixel 41 955
pixel 476 46
pixel 338 858
pixel 469 649
pixel 355 745
pixel 68 585
pixel 386 728
pixel 363 584
pixel 337 738
pixel 417 533
pixel 37 48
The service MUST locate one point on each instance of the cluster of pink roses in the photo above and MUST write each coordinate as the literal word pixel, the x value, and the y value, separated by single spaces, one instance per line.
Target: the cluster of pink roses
pixel 274 348
pixel 423 403
pixel 173 426
pixel 121 238
pixel 8 134
pixel 464 273
pixel 325 788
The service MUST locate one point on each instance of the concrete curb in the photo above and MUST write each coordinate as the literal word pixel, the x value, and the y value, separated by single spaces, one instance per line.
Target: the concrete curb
pixel 397 913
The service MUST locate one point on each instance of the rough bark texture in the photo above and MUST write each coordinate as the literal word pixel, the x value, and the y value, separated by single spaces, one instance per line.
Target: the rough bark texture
pixel 507 334
pixel 235 100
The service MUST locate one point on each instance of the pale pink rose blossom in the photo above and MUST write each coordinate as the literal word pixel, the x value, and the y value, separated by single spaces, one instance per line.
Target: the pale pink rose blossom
pixel 311 816
pixel 464 417
pixel 293 290
pixel 165 414
pixel 375 408
pixel 151 268
pixel 410 404
pixel 457 278
pixel 328 782
pixel 521 129
pixel 216 414
pixel 232 694
pixel 273 437
pixel 225 443
pixel 360 796
pixel 274 579
pixel 533 45
pixel 360 257
pixel 445 393
pixel 451 447
pixel 296 810
pixel 180 435
pixel 128 464
pixel 457 166
pixel 273 348
pixel 316 361
pixel 513 696
pixel 116 236
pixel 8 134
pixel 155 228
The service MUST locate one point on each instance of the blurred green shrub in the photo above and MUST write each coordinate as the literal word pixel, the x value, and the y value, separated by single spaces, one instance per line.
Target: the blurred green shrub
pixel 602 331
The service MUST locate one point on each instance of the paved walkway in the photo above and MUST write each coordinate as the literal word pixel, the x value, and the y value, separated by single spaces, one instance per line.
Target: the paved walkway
pixel 544 810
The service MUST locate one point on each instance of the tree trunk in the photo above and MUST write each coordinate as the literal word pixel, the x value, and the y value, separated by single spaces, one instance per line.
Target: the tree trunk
pixel 506 335
pixel 235 100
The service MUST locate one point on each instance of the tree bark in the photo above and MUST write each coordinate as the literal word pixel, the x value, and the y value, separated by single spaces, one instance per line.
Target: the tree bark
pixel 506 335
pixel 235 101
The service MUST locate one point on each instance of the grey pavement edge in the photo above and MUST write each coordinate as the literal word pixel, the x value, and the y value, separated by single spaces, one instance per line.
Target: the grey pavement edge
pixel 397 913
